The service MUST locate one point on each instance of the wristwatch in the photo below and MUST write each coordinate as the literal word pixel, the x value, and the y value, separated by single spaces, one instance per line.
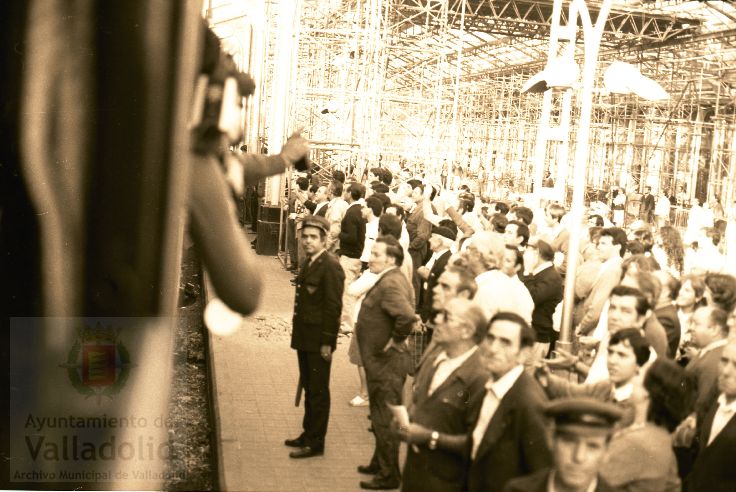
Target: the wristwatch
pixel 433 438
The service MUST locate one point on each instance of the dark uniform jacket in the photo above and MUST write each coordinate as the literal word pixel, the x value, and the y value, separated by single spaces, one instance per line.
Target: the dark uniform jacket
pixel 715 467
pixel 352 232
pixel 318 304
pixel 386 312
pixel 514 443
pixel 434 274
pixel 451 409
pixel 537 482
pixel 546 290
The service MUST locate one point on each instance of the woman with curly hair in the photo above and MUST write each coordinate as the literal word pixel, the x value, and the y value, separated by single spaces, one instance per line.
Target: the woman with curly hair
pixel 720 291
pixel 669 251
pixel 640 456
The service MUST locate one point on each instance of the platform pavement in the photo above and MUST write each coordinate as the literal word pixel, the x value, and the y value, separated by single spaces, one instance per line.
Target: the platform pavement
pixel 256 375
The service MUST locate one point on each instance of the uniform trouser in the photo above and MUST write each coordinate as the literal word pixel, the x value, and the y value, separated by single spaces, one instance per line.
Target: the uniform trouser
pixel 352 268
pixel 314 372
pixel 293 241
pixel 301 255
pixel 386 376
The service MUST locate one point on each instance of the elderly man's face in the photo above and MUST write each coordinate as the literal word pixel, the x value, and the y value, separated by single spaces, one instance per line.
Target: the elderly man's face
pixel 455 326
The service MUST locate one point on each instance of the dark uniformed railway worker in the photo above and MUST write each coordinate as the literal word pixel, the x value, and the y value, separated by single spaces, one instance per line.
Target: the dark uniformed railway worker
pixel 317 308
pixel 582 430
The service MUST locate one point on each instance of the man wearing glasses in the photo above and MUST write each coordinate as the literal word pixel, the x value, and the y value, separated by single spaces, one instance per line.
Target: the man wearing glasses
pixel 448 391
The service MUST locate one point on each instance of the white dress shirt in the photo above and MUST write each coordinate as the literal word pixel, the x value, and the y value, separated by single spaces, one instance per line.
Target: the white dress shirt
pixel 724 413
pixel 623 393
pixel 444 366
pixel 495 391
pixel 371 234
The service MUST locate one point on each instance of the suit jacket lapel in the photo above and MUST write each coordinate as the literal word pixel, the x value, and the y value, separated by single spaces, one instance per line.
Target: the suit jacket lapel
pixel 707 425
pixel 462 373
pixel 729 428
pixel 392 272
pixel 500 419
pixel 440 263
pixel 424 376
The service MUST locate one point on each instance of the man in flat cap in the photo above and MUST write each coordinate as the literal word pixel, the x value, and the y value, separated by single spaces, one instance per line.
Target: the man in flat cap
pixel 581 433
pixel 317 307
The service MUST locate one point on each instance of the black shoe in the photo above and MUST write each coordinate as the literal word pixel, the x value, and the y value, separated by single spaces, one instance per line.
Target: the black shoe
pixel 380 484
pixel 371 469
pixel 306 452
pixel 295 443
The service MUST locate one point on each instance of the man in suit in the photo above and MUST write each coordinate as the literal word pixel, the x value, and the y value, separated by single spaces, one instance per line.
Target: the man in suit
pixel 714 467
pixel 582 431
pixel 508 438
pixel 321 200
pixel 709 331
pixel 544 284
pixel 646 208
pixel 317 306
pixel 419 229
pixel 666 312
pixel 448 390
pixel 385 319
pixel 352 239
pixel 440 243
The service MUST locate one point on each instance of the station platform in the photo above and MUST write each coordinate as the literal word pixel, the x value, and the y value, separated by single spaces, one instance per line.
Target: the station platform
pixel 255 378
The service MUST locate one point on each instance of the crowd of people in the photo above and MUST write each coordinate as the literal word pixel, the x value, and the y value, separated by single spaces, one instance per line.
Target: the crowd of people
pixel 462 295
